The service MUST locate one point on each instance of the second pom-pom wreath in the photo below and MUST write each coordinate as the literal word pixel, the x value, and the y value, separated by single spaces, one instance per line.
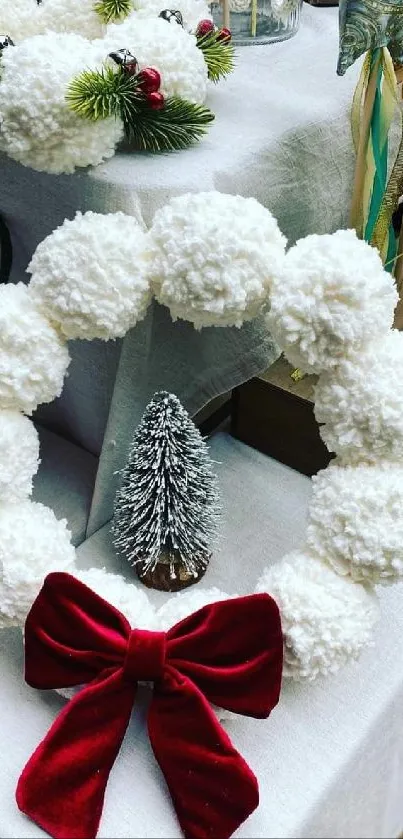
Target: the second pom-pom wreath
pixel 328 301
pixel 67 102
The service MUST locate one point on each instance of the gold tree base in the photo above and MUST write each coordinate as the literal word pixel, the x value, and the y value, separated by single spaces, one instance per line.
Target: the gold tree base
pixel 160 577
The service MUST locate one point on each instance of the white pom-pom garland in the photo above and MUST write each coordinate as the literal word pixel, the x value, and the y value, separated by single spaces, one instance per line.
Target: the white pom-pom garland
pixel 331 297
pixel 38 128
pixel 360 403
pixel 33 358
pixel 219 259
pixel 326 620
pixel 90 276
pixel 167 48
pixel 71 16
pixel 19 456
pixel 32 544
pixel 356 523
pixel 214 257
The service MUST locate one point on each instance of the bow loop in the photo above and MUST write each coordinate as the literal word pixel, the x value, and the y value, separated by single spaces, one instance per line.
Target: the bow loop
pixel 229 653
pixel 145 656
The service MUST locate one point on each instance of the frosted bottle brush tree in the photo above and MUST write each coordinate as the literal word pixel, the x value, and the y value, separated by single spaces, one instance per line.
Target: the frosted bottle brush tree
pixel 167 507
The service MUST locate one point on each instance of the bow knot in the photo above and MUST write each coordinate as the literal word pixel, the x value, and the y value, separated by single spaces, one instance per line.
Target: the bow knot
pixel 145 656
pixel 228 654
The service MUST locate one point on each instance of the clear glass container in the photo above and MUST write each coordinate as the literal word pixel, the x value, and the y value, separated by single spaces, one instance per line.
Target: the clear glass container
pixel 258 21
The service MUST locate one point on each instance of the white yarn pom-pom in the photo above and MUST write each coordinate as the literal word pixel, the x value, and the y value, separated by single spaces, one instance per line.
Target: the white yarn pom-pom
pixel 183 604
pixel 355 521
pixel 19 456
pixel 331 297
pixel 128 598
pixel 38 128
pixel 90 276
pixel 167 48
pixel 361 403
pixel 19 19
pixel 327 620
pixel 33 359
pixel 32 544
pixel 214 256
pixel 76 16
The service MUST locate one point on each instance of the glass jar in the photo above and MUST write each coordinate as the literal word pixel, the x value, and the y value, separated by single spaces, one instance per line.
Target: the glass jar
pixel 258 21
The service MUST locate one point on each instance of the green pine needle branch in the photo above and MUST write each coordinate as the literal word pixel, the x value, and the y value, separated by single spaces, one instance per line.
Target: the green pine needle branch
pixel 176 126
pixel 107 93
pixel 111 11
pixel 218 55
pixel 98 94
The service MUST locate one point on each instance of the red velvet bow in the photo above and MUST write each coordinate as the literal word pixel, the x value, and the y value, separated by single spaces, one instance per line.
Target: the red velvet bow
pixel 227 653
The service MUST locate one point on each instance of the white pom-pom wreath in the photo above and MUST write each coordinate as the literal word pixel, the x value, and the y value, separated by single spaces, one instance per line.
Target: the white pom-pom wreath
pixel 167 48
pixel 19 19
pixel 327 620
pixel 192 11
pixel 19 456
pixel 361 403
pixel 33 359
pixel 213 257
pixel 32 544
pixel 330 298
pixel 38 129
pixel 183 604
pixel 355 521
pixel 90 276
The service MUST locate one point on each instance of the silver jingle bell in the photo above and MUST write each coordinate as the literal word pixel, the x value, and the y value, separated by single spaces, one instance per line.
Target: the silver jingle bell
pixel 123 58
pixel 6 41
pixel 172 16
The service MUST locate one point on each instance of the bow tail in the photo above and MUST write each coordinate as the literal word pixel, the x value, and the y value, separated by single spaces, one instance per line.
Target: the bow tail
pixel 63 785
pixel 213 789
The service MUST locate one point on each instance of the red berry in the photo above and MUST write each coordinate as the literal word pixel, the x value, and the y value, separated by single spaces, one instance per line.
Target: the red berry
pixel 150 80
pixel 224 35
pixel 204 27
pixel 155 100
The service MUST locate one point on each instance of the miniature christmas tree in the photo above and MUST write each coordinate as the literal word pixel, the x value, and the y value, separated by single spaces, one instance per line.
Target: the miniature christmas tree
pixel 166 510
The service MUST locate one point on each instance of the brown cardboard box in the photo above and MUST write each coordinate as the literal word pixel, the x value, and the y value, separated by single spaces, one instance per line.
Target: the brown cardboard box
pixel 275 414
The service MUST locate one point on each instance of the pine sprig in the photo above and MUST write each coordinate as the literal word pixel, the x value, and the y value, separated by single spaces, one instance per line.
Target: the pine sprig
pixel 218 55
pixel 99 94
pixel 176 126
pixel 111 11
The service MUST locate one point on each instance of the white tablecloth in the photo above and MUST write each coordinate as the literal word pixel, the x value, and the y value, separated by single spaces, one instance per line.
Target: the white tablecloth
pixel 281 134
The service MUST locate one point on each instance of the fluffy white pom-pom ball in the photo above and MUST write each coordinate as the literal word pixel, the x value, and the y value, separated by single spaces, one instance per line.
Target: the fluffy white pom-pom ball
pixel 38 128
pixel 355 521
pixel 361 403
pixel 77 16
pixel 19 456
pixel 183 604
pixel 327 620
pixel 128 598
pixel 90 276
pixel 214 256
pixel 167 48
pixel 19 19
pixel 330 298
pixel 33 359
pixel 32 544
